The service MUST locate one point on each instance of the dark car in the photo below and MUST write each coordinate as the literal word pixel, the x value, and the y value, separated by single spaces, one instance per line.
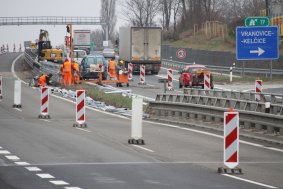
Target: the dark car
pixel 108 53
pixel 90 67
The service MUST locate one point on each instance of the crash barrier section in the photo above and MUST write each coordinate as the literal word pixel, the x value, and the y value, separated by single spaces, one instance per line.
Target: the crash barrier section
pixel 136 124
pixel 142 75
pixel 221 69
pixel 253 116
pixel 206 81
pixel 44 107
pixel 258 89
pixel 248 96
pixel 170 79
pixel 130 71
pixel 17 94
pixel 1 88
pixel 80 109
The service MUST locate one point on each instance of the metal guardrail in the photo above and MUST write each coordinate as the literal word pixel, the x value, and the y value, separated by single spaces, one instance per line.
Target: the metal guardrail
pixel 51 20
pixel 239 95
pixel 180 65
pixel 184 107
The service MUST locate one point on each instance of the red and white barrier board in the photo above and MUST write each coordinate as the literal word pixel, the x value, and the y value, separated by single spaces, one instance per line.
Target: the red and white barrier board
pixel 170 79
pixel 44 108
pixel 231 139
pixel 130 71
pixel 258 89
pixel 142 74
pixel 206 81
pixel 1 95
pixel 80 106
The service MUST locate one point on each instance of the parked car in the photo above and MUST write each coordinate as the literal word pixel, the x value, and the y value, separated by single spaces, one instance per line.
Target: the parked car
pixel 108 53
pixel 193 75
pixel 90 67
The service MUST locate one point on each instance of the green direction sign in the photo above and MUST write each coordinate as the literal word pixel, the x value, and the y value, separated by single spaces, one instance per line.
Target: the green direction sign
pixel 257 21
pixel 91 46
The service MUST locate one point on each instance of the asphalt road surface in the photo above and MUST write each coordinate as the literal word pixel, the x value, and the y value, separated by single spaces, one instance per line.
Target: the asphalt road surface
pixel 52 154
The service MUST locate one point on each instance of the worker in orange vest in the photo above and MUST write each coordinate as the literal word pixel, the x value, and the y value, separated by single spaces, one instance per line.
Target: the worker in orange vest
pixel 76 72
pixel 112 68
pixel 67 70
pixel 44 80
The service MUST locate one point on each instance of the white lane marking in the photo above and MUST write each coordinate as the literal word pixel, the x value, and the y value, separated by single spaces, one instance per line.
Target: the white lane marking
pixel 33 168
pixel 146 149
pixel 166 77
pixel 4 152
pixel 22 163
pixel 275 149
pixel 13 68
pixel 45 176
pixel 0 147
pixel 249 181
pixel 72 188
pixel 150 85
pixel 14 158
pixel 59 182
pixel 45 120
pixel 214 135
pixel 85 130
pixel 18 109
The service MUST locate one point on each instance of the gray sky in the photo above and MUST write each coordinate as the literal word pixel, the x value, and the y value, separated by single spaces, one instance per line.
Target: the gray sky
pixel 18 34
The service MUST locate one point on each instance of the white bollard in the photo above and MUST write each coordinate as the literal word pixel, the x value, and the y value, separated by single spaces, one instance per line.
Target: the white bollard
pixel 44 108
pixel 231 74
pixel 1 88
pixel 17 94
pixel 137 112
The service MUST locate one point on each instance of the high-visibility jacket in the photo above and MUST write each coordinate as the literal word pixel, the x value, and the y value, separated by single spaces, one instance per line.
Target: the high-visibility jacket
pixel 112 65
pixel 67 66
pixel 42 80
pixel 76 66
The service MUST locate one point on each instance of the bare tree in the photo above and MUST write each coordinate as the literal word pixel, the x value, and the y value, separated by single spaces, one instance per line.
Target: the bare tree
pixel 176 6
pixel 141 12
pixel 166 6
pixel 108 16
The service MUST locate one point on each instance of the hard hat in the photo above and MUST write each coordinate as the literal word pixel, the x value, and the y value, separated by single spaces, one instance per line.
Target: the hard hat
pixel 122 61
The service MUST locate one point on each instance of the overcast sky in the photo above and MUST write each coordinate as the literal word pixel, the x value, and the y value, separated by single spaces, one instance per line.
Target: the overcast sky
pixel 19 34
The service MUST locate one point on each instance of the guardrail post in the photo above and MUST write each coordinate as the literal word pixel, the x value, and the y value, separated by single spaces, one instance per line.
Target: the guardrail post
pixel 258 127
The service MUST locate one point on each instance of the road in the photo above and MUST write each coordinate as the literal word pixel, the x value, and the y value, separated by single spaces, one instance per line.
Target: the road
pixel 50 154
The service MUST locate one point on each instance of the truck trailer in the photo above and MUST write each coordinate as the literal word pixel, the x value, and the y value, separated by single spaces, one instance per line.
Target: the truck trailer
pixel 141 45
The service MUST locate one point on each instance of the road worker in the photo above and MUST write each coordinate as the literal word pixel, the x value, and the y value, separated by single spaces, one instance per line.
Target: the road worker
pixel 67 70
pixel 44 80
pixel 112 69
pixel 122 65
pixel 76 72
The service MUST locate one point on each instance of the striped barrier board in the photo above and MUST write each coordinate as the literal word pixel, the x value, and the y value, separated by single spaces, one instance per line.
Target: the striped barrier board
pixel 170 79
pixel 207 81
pixel 80 109
pixel 1 95
pixel 258 89
pixel 231 139
pixel 44 108
pixel 142 75
pixel 130 70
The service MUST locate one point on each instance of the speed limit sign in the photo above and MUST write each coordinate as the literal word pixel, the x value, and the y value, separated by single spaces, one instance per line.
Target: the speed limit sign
pixel 181 53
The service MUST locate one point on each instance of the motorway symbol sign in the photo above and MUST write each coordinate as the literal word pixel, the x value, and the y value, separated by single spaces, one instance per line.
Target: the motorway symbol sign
pixel 257 21
pixel 257 43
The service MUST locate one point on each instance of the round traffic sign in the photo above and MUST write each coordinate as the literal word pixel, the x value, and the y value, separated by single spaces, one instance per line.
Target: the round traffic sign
pixel 181 53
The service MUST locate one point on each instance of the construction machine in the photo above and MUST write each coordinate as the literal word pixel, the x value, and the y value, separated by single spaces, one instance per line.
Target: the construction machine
pixel 45 50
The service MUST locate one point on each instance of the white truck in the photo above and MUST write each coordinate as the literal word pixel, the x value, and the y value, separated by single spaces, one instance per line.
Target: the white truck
pixel 141 45
pixel 82 40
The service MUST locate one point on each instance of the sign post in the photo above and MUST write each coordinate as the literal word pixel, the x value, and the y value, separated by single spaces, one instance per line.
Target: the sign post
pixel 257 43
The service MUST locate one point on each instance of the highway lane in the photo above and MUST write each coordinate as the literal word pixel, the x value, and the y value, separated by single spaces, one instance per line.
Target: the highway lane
pixel 99 156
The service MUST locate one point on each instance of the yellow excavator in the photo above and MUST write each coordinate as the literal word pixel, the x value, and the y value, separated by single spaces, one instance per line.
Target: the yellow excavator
pixel 45 50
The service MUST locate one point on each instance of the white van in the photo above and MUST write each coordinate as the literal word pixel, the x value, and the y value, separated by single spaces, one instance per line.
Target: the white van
pixel 79 55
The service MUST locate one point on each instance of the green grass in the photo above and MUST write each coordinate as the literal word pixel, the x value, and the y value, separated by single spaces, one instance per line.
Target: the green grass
pixel 248 78
pixel 116 100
